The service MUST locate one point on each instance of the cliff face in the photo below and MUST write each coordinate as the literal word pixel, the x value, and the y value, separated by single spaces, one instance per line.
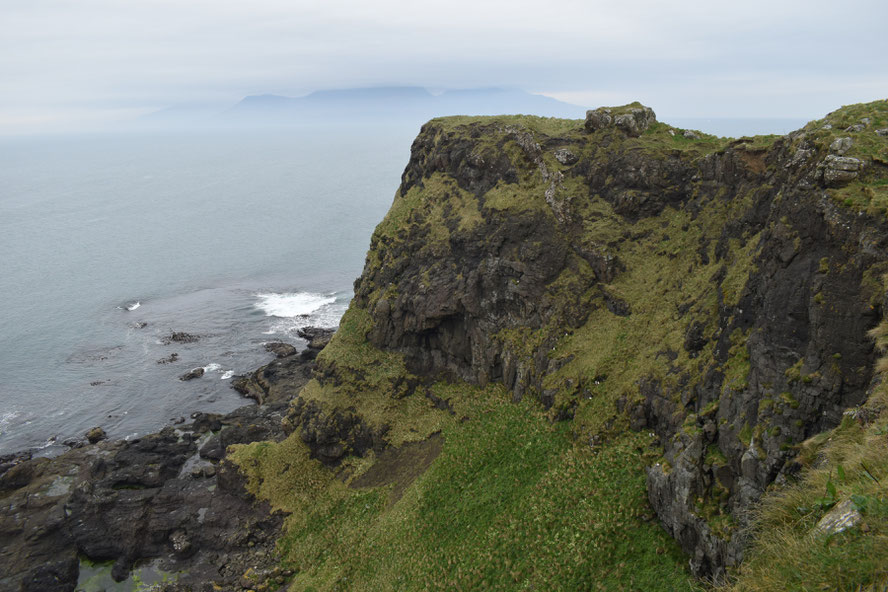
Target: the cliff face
pixel 628 274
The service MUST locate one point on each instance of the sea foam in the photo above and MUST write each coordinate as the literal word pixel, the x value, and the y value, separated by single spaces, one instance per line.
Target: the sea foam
pixel 292 304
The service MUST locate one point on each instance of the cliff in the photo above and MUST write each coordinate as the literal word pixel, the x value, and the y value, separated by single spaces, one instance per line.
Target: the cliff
pixel 626 276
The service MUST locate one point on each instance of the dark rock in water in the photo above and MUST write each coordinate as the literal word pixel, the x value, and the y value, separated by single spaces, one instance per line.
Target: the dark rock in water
pixel 180 337
pixel 192 374
pixel 317 337
pixel 280 349
pixel 95 435
pixel 169 359
pixel 139 325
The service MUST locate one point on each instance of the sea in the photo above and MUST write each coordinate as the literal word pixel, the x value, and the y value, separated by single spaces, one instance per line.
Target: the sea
pixel 109 243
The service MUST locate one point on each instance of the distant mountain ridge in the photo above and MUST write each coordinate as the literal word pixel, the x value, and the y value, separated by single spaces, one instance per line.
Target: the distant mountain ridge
pixel 395 103
pixel 409 106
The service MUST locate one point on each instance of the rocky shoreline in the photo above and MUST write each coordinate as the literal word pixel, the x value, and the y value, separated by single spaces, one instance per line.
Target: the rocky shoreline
pixel 168 505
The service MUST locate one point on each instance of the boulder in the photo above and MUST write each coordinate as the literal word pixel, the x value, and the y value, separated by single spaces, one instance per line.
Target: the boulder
pixel 840 146
pixel 280 349
pixel 95 435
pixel 838 170
pixel 598 119
pixel 842 517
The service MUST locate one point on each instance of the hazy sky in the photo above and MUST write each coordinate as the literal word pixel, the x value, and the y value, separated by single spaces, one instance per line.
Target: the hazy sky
pixel 70 63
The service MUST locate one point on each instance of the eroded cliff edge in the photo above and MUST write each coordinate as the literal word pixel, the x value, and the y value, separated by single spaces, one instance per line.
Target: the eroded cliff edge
pixel 630 275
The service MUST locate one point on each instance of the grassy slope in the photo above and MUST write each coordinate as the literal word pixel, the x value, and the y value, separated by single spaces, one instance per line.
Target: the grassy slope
pixel 516 501
pixel 512 502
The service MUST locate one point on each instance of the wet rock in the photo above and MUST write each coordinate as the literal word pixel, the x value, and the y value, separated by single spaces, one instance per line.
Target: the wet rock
pixel 180 337
pixel 169 359
pixel 96 434
pixel 279 381
pixel 131 501
pixel 192 374
pixel 280 349
pixel 317 337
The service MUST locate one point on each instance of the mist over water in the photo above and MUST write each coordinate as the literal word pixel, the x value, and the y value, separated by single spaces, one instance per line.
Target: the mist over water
pixel 240 238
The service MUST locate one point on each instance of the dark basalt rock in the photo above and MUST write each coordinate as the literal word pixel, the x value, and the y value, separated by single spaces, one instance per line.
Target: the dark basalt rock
pixel 151 498
pixel 317 337
pixel 281 380
pixel 180 337
pixel 280 349
pixel 330 435
pixel 192 374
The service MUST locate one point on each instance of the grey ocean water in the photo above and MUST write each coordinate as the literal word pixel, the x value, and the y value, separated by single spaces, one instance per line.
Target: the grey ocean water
pixel 240 238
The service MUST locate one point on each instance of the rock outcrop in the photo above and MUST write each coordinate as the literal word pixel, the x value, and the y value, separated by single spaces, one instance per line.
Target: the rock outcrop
pixel 173 498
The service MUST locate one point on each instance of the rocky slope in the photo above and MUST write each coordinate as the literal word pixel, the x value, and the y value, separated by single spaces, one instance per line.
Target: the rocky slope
pixel 623 272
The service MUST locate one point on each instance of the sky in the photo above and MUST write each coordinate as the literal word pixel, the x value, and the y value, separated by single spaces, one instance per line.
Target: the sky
pixel 68 64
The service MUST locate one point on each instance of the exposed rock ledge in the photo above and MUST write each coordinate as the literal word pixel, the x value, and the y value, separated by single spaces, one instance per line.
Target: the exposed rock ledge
pixel 170 497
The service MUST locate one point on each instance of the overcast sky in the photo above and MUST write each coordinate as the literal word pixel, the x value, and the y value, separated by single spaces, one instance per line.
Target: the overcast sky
pixel 67 63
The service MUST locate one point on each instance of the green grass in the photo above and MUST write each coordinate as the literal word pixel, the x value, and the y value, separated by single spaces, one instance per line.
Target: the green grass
pixel 511 503
pixel 548 126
